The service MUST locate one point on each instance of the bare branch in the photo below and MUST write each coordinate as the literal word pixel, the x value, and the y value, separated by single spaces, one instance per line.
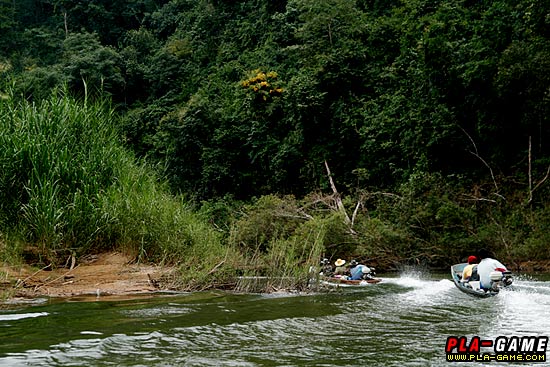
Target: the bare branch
pixel 337 197
pixel 304 216
pixel 473 198
pixel 476 154
pixel 531 189
pixel 530 174
pixel 388 194
pixel 541 181
pixel 22 282
pixel 354 215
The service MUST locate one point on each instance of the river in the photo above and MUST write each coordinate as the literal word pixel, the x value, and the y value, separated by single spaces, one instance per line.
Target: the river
pixel 403 321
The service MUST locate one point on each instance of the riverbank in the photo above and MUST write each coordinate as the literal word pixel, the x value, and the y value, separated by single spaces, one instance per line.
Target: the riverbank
pixel 111 273
pixel 116 274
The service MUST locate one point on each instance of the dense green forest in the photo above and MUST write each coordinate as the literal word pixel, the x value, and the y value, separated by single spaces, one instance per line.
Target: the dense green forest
pixel 409 131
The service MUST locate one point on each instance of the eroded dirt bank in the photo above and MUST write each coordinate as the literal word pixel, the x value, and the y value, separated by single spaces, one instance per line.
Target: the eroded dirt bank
pixel 110 273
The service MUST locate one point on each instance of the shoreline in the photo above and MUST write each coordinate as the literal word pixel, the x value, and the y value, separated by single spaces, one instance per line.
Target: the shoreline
pixel 114 274
pixel 107 274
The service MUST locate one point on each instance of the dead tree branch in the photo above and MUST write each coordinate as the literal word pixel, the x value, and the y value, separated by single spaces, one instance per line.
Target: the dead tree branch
pixel 531 188
pixel 337 198
pixel 478 156
pixel 354 215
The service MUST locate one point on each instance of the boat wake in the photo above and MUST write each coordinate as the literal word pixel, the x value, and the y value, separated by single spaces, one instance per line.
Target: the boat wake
pixel 420 289
pixel 421 281
pixel 520 309
pixel 21 316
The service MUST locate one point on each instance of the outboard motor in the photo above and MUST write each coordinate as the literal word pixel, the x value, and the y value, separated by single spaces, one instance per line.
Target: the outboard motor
pixel 500 279
pixel 368 273
pixel 372 271
pixel 507 278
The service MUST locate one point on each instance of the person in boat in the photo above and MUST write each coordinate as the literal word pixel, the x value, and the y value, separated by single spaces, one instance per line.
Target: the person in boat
pixel 341 270
pixel 470 271
pixel 326 268
pixel 486 266
pixel 358 271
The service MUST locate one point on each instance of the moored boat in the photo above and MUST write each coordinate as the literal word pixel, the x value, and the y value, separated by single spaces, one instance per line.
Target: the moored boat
pixel 499 280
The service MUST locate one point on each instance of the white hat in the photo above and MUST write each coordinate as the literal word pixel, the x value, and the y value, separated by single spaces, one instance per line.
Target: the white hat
pixel 339 262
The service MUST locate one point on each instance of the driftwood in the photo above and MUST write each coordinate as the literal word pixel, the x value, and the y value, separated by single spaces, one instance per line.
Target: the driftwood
pixel 21 283
pixel 56 279
pixel 216 267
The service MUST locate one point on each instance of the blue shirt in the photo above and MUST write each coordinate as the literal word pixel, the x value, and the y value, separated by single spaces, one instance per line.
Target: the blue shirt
pixel 357 272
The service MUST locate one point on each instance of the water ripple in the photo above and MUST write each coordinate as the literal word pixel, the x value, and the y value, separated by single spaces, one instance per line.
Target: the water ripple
pixel 401 322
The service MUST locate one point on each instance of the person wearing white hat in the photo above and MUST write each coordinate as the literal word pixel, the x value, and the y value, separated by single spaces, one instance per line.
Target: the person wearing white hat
pixel 341 269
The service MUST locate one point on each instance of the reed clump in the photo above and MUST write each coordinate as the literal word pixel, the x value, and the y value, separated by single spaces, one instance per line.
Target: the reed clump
pixel 278 243
pixel 69 187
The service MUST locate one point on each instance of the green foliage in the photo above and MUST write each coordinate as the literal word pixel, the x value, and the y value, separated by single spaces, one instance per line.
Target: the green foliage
pixel 327 25
pixel 108 19
pixel 267 220
pixel 277 239
pixel 68 186
pixel 392 88
pixel 7 25
pixel 44 46
pixel 86 60
pixel 220 212
pixel 146 220
pixel 11 248
pixel 86 67
pixel 426 101
pixel 515 233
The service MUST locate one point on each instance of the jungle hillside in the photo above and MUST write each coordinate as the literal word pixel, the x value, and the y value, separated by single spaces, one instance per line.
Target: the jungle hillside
pixel 256 137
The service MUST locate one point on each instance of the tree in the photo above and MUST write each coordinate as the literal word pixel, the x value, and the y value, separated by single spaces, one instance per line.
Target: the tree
pixel 108 19
pixel 85 60
pixel 7 26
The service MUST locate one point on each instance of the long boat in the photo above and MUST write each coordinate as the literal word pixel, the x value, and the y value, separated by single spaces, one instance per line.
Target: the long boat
pixel 474 288
pixel 342 282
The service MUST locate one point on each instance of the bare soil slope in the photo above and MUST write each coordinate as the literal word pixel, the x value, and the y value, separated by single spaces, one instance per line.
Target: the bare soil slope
pixel 110 273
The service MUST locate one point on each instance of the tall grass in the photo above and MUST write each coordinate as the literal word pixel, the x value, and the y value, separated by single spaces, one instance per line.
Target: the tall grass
pixel 147 220
pixel 68 186
pixel 53 163
pixel 278 247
